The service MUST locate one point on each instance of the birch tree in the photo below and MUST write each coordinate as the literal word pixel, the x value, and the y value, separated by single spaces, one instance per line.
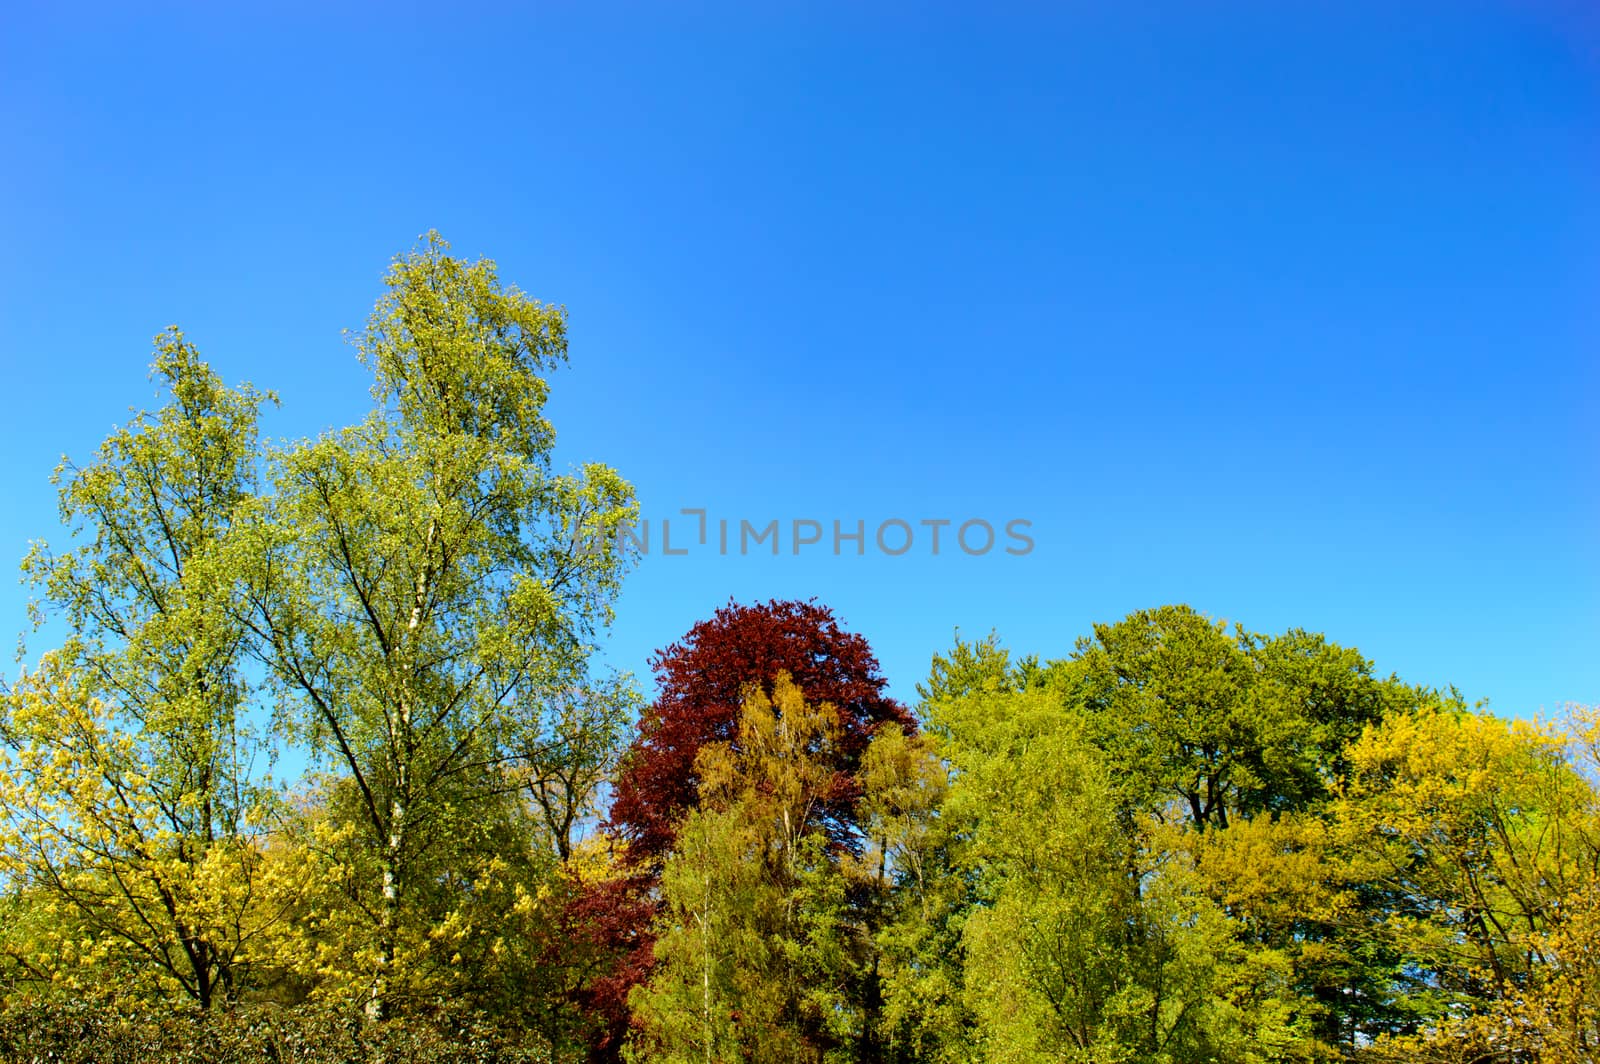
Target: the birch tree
pixel 756 955
pixel 424 582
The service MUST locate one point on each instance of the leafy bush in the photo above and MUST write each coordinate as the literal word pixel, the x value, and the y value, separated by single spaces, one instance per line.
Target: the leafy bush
pixel 35 1032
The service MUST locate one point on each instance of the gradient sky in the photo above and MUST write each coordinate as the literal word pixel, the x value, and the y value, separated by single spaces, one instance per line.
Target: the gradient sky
pixel 1287 311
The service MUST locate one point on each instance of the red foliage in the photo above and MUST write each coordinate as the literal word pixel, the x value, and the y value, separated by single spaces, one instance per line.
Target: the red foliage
pixel 702 680
pixel 612 918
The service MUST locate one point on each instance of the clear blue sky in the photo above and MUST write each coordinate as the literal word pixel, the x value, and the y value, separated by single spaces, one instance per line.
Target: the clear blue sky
pixel 1288 311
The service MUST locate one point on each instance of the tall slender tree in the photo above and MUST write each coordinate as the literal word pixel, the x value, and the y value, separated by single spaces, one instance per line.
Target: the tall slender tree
pixel 425 584
pixel 754 952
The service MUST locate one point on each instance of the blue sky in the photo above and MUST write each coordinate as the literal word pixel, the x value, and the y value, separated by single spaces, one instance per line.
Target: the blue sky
pixel 1288 314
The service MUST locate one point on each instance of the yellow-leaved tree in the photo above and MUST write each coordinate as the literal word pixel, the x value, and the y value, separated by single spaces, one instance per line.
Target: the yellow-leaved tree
pixel 131 797
pixel 1482 837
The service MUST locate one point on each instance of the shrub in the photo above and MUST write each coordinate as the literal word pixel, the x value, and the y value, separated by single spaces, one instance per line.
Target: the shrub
pixel 36 1032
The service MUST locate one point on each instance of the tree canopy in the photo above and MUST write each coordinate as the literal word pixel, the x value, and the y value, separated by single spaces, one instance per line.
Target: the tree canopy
pixel 1173 841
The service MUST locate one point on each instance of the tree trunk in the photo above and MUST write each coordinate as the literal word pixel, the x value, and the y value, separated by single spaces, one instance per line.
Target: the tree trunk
pixel 389 912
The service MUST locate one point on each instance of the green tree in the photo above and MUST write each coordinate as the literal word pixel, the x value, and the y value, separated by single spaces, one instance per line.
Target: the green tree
pixel 755 957
pixel 424 585
pixel 1169 695
pixel 1091 937
pixel 132 796
pixel 1224 723
pixel 1325 695
pixel 566 755
pixel 905 895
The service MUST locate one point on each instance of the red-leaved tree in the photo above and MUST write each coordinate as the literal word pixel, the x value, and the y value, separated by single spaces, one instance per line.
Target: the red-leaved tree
pixel 701 685
pixel 702 680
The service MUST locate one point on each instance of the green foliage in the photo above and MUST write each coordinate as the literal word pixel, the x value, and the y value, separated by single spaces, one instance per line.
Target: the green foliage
pixel 423 591
pixel 133 805
pixel 1225 724
pixel 1180 843
pixel 424 588
pixel 1088 933
pixel 754 954
pixel 564 755
pixel 78 1033
pixel 1169 691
